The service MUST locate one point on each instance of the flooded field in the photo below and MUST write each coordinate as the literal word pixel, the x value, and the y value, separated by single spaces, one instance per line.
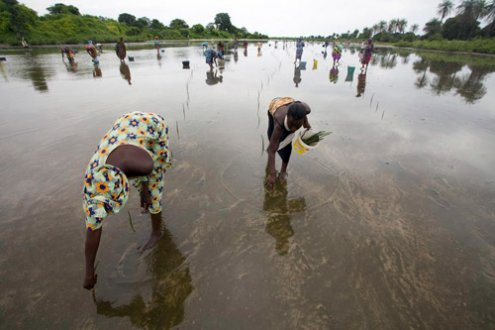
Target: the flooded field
pixel 388 224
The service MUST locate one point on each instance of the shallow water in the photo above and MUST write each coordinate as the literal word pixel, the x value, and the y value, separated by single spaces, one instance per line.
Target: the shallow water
pixel 388 224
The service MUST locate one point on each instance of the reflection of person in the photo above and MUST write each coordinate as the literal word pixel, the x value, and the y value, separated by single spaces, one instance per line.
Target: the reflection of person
pixel 212 77
pixel 336 53
pixel 135 148
pixel 334 74
pixel 297 76
pixel 299 49
pixel 368 51
pixel 96 71
pixel 125 72
pixel 361 83
pixel 285 116
pixel 279 211
pixel 171 284
pixel 211 57
pixel 121 50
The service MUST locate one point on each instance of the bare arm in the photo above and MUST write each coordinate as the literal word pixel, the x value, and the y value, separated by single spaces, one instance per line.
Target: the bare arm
pixel 91 247
pixel 271 150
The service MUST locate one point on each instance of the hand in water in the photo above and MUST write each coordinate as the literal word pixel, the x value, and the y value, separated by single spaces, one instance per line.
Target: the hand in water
pixel 90 281
pixel 145 199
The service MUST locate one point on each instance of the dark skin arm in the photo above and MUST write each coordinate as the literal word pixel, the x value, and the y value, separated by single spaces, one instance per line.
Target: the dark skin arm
pixel 92 243
pixel 272 149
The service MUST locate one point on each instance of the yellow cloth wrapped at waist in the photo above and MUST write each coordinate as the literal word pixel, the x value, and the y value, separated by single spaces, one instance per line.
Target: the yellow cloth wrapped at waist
pixel 279 102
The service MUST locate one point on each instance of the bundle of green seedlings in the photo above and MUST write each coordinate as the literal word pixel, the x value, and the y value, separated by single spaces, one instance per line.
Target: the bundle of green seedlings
pixel 315 138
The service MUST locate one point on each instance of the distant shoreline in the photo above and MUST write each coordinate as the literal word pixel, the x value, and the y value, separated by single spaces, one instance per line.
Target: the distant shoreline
pixel 150 42
pixel 179 42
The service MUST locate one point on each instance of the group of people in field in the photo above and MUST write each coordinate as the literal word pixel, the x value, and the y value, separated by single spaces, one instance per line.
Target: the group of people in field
pixel 136 151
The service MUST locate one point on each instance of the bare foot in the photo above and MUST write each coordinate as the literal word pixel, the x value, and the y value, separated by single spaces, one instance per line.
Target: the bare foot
pixel 154 238
pixel 282 177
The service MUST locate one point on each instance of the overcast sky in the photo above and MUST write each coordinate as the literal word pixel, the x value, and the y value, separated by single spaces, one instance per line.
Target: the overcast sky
pixel 272 17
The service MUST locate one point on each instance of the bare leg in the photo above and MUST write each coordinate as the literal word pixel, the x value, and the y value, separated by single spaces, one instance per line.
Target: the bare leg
pixel 156 230
pixel 283 172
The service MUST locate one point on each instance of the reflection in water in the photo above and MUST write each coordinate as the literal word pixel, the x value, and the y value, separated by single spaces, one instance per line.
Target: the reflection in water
pixel 71 66
pixel 97 71
pixel 37 73
pixel 213 78
pixel 3 72
pixel 159 58
pixel 279 211
pixel 125 71
pixel 361 86
pixel 171 285
pixel 350 74
pixel 446 77
pixel 297 75
pixel 334 74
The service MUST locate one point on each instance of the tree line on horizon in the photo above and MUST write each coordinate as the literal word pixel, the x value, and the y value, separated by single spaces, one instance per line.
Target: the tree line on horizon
pixel 464 25
pixel 65 24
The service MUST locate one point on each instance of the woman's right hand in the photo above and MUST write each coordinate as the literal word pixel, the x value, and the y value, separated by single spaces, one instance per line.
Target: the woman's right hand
pixel 90 281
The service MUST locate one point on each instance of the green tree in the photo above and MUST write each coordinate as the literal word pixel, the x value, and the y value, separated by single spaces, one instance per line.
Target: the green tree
pixel 143 22
pixel 156 24
pixel 198 28
pixel 414 28
pixel 223 23
pixel 178 24
pixel 460 28
pixel 401 25
pixel 127 19
pixel 382 25
pixel 18 18
pixel 366 34
pixel 444 9
pixel 392 26
pixel 472 9
pixel 432 27
pixel 60 8
pixel 490 12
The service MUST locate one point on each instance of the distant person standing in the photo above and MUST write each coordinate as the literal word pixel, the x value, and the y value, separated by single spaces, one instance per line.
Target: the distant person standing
pixel 336 53
pixel 121 50
pixel 367 53
pixel 299 49
pixel 157 45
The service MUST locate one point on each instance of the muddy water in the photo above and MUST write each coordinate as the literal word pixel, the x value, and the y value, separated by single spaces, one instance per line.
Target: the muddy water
pixel 389 224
